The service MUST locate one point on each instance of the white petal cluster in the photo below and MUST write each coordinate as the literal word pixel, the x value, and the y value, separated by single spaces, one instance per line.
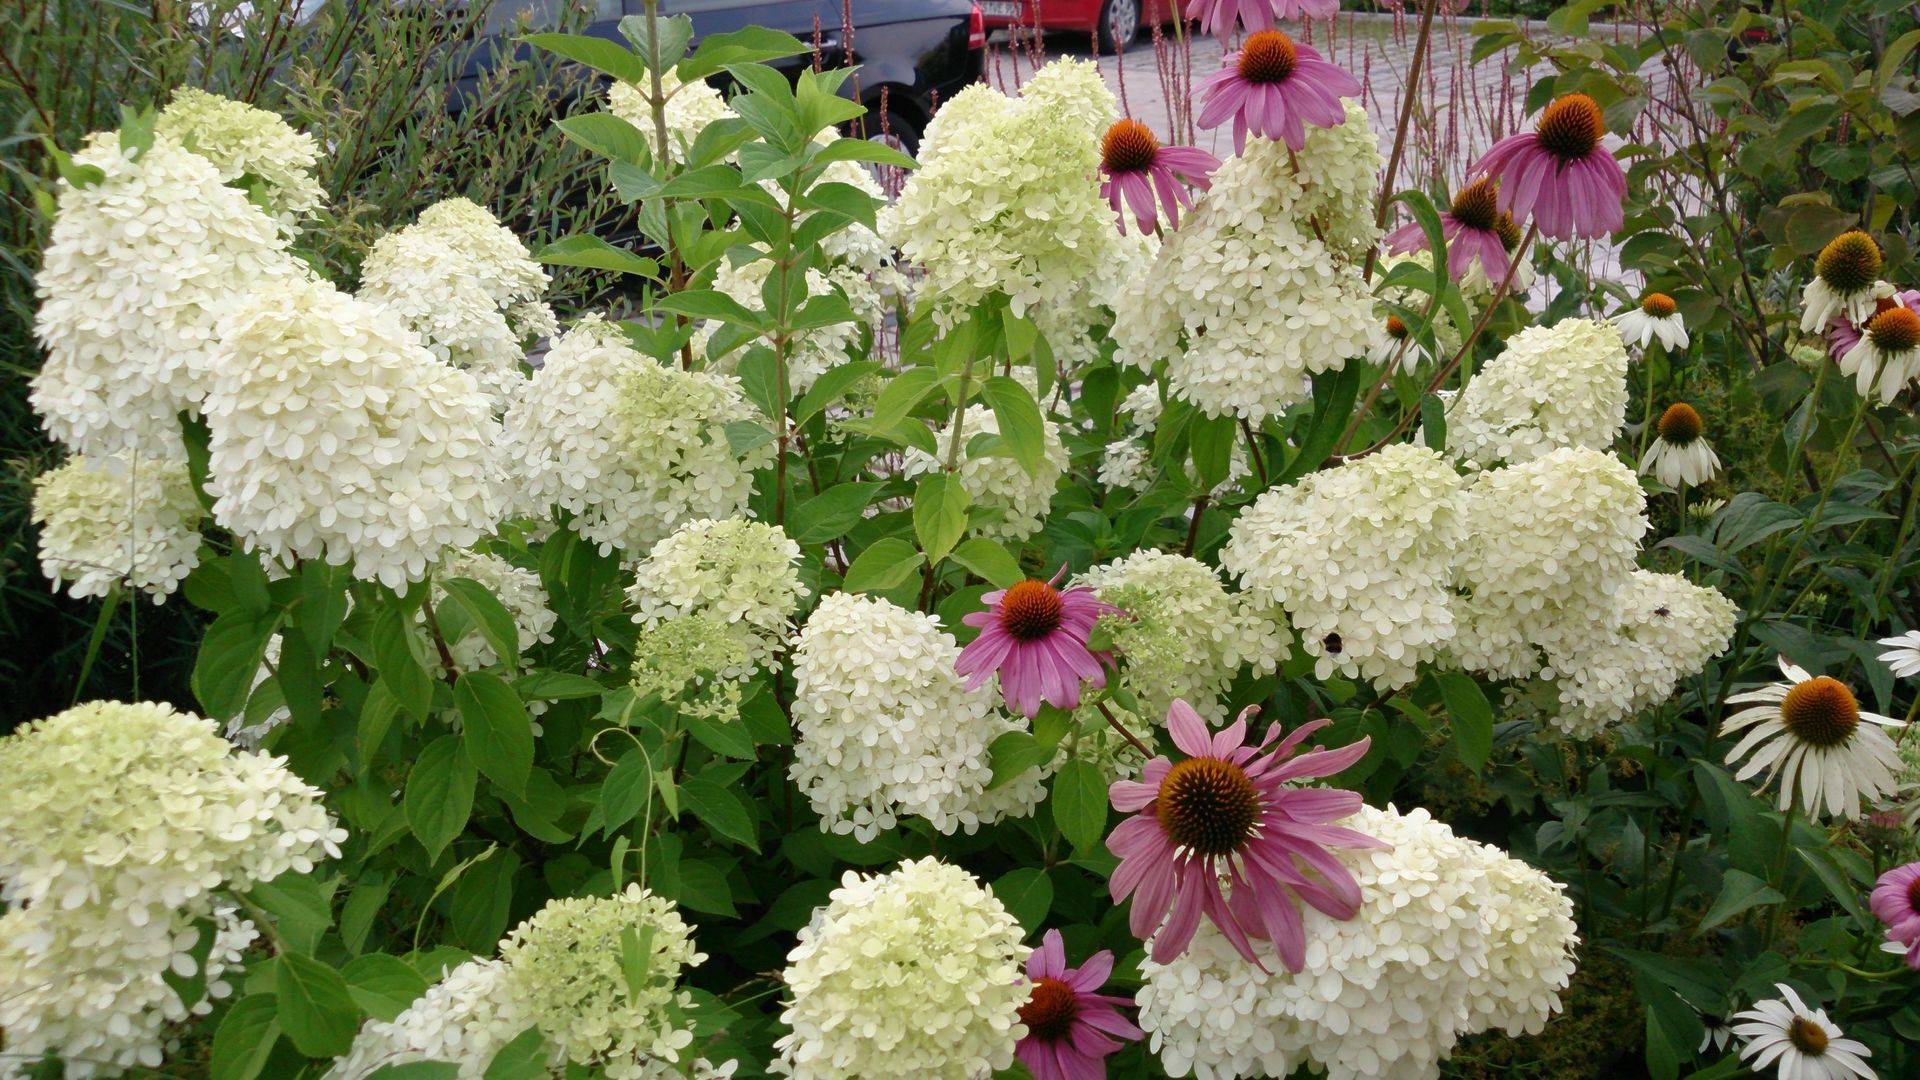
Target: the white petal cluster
pixel 912 973
pixel 695 663
pixel 1007 199
pixel 126 519
pixel 1186 637
pixel 743 574
pixel 1551 387
pixel 1246 301
pixel 1547 541
pixel 463 1020
pixel 244 141
pixel 1360 557
pixel 467 287
pixel 1453 937
pixel 565 965
pixel 135 275
pixel 335 435
pixel 519 591
pixel 628 447
pixel 690 107
pixel 883 727
pixel 997 481
pixel 1650 631
pixel 118 822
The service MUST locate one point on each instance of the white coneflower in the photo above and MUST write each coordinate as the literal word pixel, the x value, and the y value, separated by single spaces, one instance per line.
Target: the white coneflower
pixel 1846 282
pixel 1809 732
pixel 1718 1035
pixel 1399 343
pixel 1888 353
pixel 1799 1043
pixel 1656 319
pixel 1680 455
pixel 1903 653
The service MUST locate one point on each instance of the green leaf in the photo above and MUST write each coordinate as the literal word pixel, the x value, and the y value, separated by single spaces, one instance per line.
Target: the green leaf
pixel 703 887
pixel 990 561
pixel 1027 894
pixel 245 1038
pixel 439 795
pixel 745 436
pixel 636 950
pixel 1210 444
pixel 485 611
pixel 556 686
pixel 726 738
pixel 383 986
pixel 865 150
pixel 897 400
pixel 748 46
pixel 597 53
pixel 720 809
pixel 323 602
pixel 1739 891
pixel 482 899
pixel 608 135
pixel 1433 423
pixel 1673 1029
pixel 665 36
pixel 405 678
pixel 594 253
pixel 497 734
pixel 830 387
pixel 1080 803
pixel 1013 753
pixel 940 514
pixel 316 1008
pixel 886 564
pixel 417 1070
pixel 625 791
pixel 1471 715
pixel 1333 395
pixel 1021 424
pixel 828 515
pixel 302 907
pixel 708 304
pixel 230 656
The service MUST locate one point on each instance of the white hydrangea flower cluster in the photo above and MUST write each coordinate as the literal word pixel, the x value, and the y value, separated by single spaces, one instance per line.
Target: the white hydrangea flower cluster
pixel 463 1020
pixel 90 988
pixel 691 106
pixel 1651 631
pixel 118 823
pixel 1547 542
pixel 997 481
pixel 1360 558
pixel 126 519
pixel 519 591
pixel 883 726
pixel 1261 285
pixel 1007 199
pixel 335 435
pixel 695 662
pixel 1095 742
pixel 1453 937
pixel 565 965
pixel 246 141
pixel 911 973
pixel 630 448
pixel 743 574
pixel 1551 387
pixel 1186 637
pixel 136 273
pixel 467 287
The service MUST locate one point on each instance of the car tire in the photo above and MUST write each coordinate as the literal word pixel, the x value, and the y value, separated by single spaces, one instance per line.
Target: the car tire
pixel 1119 24
pixel 900 133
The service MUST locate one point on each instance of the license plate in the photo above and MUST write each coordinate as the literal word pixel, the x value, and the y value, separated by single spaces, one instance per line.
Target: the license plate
pixel 1000 9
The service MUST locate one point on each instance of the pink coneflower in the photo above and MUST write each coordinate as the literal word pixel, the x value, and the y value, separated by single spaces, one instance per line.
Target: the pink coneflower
pixel 1218 16
pixel 1843 335
pixel 1068 1021
pixel 1559 173
pixel 1479 237
pixel 1896 902
pixel 1137 166
pixel 1226 811
pixel 1035 637
pixel 1274 88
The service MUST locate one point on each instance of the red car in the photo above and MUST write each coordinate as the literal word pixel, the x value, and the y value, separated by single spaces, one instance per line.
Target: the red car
pixel 1117 22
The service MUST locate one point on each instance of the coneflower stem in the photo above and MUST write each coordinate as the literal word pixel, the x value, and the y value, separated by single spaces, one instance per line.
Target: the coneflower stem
pixel 1400 132
pixel 1122 729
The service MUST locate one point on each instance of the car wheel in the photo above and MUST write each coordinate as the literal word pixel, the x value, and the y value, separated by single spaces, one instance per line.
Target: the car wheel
pixel 1119 25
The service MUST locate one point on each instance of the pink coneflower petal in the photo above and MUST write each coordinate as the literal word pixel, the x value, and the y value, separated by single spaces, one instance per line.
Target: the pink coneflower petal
pixel 1071 1029
pixel 1034 637
pixel 1144 177
pixel 1227 810
pixel 1560 174
pixel 1273 88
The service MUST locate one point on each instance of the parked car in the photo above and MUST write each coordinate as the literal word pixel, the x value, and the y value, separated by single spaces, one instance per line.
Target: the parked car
pixel 913 54
pixel 1117 22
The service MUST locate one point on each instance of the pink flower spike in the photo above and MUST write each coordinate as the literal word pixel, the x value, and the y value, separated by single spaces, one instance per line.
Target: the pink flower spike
pixel 1138 170
pixel 1896 902
pixel 1068 1021
pixel 1560 174
pixel 1227 812
pixel 1273 88
pixel 1217 17
pixel 1034 637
